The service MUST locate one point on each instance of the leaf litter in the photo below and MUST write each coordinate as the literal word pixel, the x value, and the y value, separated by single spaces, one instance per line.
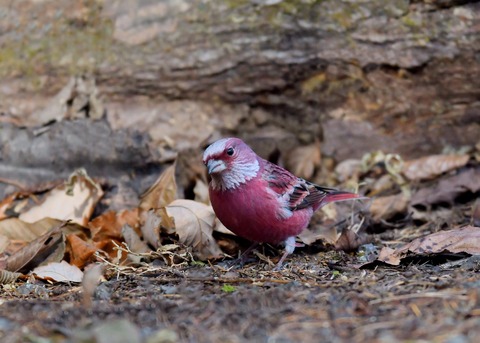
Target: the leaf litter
pixel 163 250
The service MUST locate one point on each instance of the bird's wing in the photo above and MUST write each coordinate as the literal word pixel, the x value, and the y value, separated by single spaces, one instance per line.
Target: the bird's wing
pixel 297 192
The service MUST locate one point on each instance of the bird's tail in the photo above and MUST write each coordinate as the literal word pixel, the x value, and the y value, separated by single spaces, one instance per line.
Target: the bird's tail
pixel 334 195
pixel 341 196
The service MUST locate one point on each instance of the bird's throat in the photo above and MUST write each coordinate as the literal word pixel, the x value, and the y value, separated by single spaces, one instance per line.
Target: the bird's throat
pixel 238 174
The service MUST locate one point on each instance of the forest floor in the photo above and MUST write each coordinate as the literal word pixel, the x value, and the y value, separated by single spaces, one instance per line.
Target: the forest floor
pixel 315 298
pixel 96 258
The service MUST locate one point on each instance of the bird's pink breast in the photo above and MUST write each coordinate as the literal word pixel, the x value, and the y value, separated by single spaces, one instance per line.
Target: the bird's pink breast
pixel 252 212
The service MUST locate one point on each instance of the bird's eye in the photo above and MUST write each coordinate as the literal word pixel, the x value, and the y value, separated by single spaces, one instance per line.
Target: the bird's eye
pixel 230 151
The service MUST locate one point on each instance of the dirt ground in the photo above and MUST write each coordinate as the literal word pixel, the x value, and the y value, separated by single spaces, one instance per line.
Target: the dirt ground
pixel 315 298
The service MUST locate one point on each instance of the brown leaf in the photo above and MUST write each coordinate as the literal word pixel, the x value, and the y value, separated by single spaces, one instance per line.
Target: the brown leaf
pixel 349 240
pixel 311 235
pixel 36 252
pixel 73 201
pixel 448 189
pixel 81 252
pixel 167 223
pixel 466 240
pixel 389 255
pixel 151 228
pixel 109 225
pixel 387 207
pixel 18 230
pixel 303 159
pixel 431 166
pixel 194 223
pixel 162 192
pixel 59 272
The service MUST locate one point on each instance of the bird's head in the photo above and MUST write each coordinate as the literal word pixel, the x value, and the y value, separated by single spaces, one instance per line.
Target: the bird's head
pixel 231 163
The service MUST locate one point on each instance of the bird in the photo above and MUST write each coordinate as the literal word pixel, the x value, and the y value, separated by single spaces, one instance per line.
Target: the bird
pixel 259 200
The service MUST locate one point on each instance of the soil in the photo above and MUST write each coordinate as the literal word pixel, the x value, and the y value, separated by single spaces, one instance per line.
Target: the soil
pixel 315 298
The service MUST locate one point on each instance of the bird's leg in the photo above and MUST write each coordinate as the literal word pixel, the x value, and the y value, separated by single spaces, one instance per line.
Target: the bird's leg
pixel 244 255
pixel 289 248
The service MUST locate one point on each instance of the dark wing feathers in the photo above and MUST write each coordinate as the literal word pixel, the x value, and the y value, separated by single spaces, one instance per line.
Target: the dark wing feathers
pixel 309 195
pixel 302 194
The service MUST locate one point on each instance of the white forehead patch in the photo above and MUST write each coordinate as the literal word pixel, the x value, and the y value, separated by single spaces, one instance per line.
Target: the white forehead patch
pixel 215 148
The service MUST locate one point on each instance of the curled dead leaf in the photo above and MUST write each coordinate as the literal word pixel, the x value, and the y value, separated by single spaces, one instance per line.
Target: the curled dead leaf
pixel 17 229
pixel 459 240
pixel 448 189
pixel 431 166
pixel 194 223
pixel 349 240
pixel 387 207
pixel 109 224
pixel 162 192
pixel 151 228
pixel 80 251
pixel 59 272
pixel 75 200
pixel 38 251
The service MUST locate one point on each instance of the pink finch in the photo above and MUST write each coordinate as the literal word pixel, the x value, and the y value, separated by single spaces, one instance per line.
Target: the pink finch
pixel 259 200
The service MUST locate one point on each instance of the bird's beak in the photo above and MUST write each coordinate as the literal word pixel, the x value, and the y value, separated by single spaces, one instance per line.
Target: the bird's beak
pixel 216 166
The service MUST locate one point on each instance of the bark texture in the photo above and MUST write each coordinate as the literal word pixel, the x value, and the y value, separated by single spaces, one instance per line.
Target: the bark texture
pixel 397 75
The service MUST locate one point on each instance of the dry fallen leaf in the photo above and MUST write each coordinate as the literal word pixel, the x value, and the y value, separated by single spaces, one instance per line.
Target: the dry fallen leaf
pixel 303 160
pixel 73 201
pixel 44 248
pixel 448 189
pixel 14 229
pixel 194 223
pixel 151 228
pixel 387 207
pixel 59 272
pixel 349 240
pixel 466 240
pixel 431 166
pixel 162 192
pixel 80 251
pixel 109 224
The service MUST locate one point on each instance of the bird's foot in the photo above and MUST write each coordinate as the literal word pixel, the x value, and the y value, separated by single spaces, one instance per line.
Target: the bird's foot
pixel 290 245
